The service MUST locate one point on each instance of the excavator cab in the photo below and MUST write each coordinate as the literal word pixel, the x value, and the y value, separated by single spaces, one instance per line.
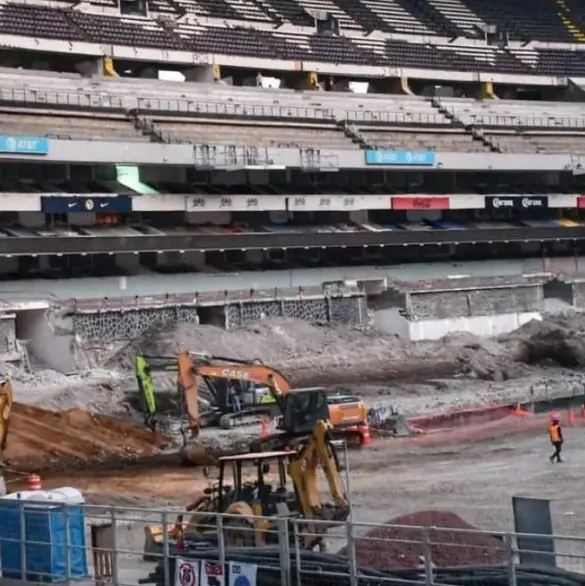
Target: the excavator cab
pixel 302 409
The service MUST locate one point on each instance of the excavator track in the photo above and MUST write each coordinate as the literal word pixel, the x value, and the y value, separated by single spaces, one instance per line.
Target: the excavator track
pixel 245 418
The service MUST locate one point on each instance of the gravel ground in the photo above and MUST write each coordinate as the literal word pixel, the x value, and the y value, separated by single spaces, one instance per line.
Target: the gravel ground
pixel 476 480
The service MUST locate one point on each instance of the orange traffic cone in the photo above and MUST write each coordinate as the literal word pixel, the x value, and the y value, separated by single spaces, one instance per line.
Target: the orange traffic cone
pixel 265 428
pixel 34 482
pixel 366 435
pixel 571 416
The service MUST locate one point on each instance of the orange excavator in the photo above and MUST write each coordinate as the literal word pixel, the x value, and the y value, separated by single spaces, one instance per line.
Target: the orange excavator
pixel 245 392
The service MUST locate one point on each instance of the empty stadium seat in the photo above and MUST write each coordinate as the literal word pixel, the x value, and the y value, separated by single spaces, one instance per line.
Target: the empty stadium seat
pixel 414 138
pixel 524 19
pixel 525 127
pixel 38 21
pixel 67 125
pixel 254 134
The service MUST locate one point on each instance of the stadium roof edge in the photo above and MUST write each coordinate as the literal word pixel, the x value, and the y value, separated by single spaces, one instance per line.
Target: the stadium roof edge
pixel 72 151
pixel 185 58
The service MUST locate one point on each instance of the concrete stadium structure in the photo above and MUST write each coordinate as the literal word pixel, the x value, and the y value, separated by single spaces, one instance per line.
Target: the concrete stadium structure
pixel 485 307
pixel 48 333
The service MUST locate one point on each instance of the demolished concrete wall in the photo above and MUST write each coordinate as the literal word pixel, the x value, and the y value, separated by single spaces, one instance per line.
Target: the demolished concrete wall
pixel 109 324
pixel 484 307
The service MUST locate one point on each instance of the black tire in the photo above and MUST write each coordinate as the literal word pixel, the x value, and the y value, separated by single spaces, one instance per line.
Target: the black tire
pixel 238 533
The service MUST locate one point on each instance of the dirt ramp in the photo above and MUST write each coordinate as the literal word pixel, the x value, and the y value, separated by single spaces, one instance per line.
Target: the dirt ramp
pixel 39 439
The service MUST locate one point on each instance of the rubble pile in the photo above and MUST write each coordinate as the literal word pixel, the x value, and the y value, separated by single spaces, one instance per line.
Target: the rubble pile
pixel 559 340
pixel 461 370
pixel 398 544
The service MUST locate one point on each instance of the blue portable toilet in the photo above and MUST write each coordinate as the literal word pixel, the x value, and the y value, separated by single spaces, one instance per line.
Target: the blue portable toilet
pixel 42 536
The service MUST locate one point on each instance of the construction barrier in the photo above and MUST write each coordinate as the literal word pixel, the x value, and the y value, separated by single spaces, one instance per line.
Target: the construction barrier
pixel 463 417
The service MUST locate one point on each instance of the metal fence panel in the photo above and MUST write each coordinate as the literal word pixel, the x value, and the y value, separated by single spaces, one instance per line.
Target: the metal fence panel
pixel 129 546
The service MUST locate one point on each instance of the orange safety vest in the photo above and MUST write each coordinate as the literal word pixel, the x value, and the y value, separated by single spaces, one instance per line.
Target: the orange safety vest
pixel 555 433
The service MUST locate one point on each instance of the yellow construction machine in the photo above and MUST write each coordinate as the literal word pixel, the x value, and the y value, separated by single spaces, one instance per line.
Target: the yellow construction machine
pixel 254 502
pixel 298 409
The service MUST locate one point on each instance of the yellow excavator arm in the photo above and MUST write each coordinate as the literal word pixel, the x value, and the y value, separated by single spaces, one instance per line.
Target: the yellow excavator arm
pixel 318 451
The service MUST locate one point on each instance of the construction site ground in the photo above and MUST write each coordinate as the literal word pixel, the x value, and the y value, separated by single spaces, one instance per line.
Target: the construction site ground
pixel 473 471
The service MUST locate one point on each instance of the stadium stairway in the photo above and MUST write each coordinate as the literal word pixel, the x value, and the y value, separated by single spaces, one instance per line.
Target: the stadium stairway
pixel 353 134
pixel 147 128
pixel 476 134
pixel 566 17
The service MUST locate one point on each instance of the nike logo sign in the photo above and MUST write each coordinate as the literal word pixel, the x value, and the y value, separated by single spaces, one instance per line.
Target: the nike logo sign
pixel 71 205
pixel 104 205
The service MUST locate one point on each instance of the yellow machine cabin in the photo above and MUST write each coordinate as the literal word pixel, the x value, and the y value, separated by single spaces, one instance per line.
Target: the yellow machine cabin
pixel 257 488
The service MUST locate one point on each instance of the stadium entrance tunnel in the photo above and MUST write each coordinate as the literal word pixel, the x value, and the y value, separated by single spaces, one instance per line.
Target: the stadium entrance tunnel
pixel 47 339
pixel 212 315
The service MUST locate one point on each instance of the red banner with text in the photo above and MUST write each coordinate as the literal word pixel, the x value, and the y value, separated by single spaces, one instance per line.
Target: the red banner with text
pixel 420 203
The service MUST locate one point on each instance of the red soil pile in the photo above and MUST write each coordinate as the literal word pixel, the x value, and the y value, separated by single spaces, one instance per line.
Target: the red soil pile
pixel 389 547
pixel 40 439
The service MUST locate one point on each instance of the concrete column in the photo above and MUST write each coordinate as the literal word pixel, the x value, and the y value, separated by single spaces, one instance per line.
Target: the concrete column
pixel 201 73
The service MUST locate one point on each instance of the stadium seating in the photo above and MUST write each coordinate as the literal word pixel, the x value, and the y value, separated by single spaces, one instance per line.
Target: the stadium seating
pixel 519 126
pixel 524 20
pixel 67 125
pixel 70 106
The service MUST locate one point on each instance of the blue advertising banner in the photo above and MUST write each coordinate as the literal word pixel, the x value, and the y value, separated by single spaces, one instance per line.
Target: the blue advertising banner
pixel 413 158
pixel 24 145
pixel 121 204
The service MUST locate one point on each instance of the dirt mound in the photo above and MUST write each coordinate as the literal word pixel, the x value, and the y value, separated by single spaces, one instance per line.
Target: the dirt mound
pixel 390 547
pixel 39 439
pixel 558 340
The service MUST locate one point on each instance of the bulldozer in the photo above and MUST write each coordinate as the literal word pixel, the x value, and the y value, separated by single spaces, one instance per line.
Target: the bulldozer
pixel 255 501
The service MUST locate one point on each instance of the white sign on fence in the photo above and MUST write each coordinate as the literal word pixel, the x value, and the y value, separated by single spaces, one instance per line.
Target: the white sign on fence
pixel 187 572
pixel 243 574
pixel 212 574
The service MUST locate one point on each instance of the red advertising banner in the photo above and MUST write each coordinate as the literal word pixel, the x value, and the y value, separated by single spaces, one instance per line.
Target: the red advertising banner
pixel 581 201
pixel 420 203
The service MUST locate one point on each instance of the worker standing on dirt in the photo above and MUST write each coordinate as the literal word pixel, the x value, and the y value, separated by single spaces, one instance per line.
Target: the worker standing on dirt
pixel 556 437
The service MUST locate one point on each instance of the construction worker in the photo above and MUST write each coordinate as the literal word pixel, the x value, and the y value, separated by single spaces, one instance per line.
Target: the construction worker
pixel 556 438
pixel 235 394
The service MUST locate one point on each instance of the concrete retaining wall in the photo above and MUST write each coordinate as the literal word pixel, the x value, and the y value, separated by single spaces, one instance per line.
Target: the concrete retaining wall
pixel 468 301
pixel 578 290
pixel 482 307
pixel 392 322
pixel 112 325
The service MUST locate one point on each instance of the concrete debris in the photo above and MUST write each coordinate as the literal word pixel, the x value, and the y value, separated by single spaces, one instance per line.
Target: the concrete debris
pixel 539 360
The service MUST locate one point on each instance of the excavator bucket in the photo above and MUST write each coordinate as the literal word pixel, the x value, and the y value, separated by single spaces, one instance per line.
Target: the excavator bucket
pixel 196 454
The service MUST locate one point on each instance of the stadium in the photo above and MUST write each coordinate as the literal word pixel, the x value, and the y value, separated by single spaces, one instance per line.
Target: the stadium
pixel 380 198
